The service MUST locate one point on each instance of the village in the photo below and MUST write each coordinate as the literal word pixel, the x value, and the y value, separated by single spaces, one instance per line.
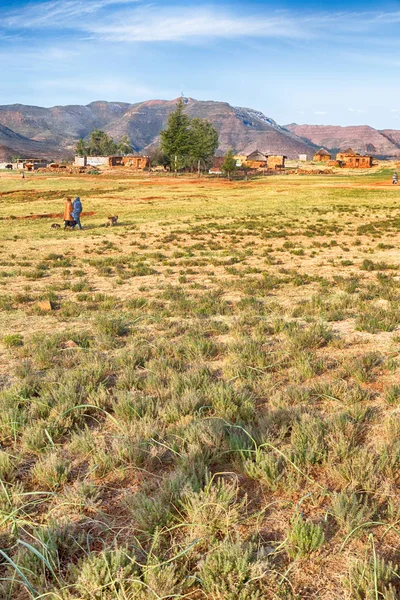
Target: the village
pixel 255 162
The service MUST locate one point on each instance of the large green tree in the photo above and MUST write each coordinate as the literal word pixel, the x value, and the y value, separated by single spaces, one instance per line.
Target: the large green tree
pixel 203 142
pixel 175 139
pixel 101 144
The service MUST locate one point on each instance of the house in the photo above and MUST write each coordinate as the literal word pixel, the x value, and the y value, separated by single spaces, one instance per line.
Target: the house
pixel 322 156
pixel 139 163
pixel 276 162
pixel 352 160
pixel 98 161
pixel 31 164
pixel 303 157
pixel 257 160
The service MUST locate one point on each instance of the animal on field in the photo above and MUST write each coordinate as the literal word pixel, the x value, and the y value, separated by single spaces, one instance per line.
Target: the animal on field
pixel 55 226
pixel 112 221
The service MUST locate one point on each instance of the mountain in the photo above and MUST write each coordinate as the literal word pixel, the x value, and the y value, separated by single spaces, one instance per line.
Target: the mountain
pixel 12 143
pixel 362 138
pixel 57 129
pixel 242 129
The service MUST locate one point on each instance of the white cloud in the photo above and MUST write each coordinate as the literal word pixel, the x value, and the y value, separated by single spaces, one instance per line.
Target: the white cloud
pixel 134 21
pixel 55 13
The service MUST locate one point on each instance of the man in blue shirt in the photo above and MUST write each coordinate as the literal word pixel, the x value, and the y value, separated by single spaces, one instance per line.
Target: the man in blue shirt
pixel 76 211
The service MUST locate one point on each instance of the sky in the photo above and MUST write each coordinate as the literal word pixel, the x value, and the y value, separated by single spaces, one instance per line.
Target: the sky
pixel 332 63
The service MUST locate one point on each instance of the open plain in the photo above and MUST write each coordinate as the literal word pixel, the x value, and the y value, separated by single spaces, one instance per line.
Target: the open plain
pixel 202 401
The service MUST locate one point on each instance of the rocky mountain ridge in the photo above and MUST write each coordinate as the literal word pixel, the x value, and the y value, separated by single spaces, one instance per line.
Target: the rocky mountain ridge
pixel 362 138
pixel 52 132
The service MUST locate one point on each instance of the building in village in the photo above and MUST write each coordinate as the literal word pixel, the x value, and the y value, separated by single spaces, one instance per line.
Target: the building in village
pixel 31 164
pixel 303 157
pixel 259 160
pixel 139 163
pixel 256 160
pixel 276 162
pixel 98 161
pixel 352 160
pixel 322 155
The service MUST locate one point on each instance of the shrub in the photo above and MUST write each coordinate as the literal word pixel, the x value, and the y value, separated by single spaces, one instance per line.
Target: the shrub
pixel 350 510
pixel 213 512
pixel 304 537
pixel 51 471
pixel 108 575
pixel 370 579
pixel 13 340
pixel 232 572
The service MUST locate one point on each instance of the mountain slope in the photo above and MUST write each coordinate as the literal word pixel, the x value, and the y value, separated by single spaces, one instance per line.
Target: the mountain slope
pixel 59 127
pixel 242 129
pixel 362 138
pixel 14 143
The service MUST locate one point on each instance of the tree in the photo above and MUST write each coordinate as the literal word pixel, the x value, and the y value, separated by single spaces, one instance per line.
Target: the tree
pixel 229 164
pixel 101 144
pixel 81 148
pixel 203 142
pixel 175 139
pixel 157 157
pixel 124 145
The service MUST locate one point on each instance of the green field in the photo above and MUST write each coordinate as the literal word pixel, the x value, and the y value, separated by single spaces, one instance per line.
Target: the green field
pixel 203 401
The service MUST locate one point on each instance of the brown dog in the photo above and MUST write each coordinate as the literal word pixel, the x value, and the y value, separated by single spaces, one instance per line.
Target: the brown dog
pixel 55 226
pixel 112 221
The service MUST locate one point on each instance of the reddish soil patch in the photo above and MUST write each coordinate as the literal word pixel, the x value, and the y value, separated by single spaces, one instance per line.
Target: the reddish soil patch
pixel 45 216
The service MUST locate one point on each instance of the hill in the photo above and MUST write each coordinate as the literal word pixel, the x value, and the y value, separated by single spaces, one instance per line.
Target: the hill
pixel 362 138
pixel 58 128
pixel 12 143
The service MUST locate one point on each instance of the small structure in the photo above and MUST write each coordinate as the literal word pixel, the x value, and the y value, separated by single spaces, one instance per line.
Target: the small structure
pixel 257 160
pixel 98 161
pixel 139 163
pixel 322 155
pixel 276 162
pixel 31 164
pixel 352 160
pixel 303 157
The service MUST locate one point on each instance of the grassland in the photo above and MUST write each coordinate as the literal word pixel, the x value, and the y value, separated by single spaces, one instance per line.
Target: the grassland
pixel 202 402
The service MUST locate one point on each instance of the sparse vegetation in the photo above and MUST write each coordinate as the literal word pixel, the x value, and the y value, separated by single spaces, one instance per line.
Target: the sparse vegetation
pixel 202 401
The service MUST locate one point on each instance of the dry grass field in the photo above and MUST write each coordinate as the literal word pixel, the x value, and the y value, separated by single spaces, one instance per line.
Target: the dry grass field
pixel 203 401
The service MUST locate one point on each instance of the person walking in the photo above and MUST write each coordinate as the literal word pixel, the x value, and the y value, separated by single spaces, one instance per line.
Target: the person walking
pixel 395 179
pixel 76 212
pixel 69 220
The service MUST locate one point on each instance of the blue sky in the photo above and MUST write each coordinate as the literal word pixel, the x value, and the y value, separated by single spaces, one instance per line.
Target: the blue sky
pixel 298 62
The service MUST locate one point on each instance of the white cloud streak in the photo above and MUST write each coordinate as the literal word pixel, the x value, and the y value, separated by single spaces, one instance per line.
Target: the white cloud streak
pixel 134 21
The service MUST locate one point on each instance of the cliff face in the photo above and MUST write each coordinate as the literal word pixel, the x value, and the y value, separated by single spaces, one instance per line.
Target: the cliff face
pixel 362 138
pixel 59 127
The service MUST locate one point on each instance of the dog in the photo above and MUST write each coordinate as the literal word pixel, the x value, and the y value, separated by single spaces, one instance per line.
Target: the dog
pixel 55 226
pixel 112 221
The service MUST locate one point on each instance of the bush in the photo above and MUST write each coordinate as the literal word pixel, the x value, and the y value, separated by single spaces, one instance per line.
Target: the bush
pixel 304 537
pixel 232 572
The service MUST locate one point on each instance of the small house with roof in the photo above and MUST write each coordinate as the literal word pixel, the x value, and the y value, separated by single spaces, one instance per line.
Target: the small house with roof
pixel 257 160
pixel 322 155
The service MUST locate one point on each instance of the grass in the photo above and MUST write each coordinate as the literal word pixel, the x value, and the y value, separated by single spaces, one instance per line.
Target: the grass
pixel 202 401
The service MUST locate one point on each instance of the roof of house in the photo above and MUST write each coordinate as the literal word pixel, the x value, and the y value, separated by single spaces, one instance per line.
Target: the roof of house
pixel 349 151
pixel 255 154
pixel 322 152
